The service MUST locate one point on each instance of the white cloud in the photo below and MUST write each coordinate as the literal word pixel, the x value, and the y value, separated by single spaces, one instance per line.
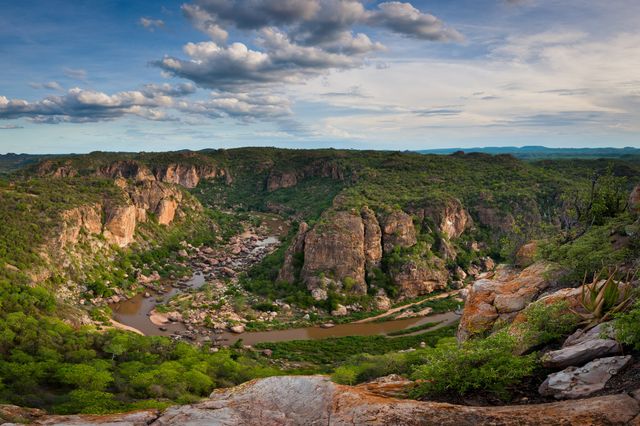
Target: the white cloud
pixel 151 24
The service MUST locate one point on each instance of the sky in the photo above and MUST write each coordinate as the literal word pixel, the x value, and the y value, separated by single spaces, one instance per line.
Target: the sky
pixel 111 75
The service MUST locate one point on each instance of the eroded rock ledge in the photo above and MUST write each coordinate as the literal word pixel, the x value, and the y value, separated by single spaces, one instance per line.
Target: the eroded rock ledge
pixel 314 400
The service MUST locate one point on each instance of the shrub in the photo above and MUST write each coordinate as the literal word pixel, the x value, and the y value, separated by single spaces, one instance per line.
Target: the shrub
pixel 486 364
pixel 628 326
pixel 545 323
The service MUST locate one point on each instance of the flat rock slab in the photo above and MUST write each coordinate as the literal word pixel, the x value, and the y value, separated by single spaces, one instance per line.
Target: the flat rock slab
pixel 315 400
pixel 581 353
pixel 579 382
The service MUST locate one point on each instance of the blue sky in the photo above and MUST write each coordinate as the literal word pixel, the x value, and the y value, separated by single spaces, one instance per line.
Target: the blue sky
pixel 79 76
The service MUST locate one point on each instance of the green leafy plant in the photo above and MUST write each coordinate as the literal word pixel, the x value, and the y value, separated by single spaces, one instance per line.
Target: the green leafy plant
pixel 603 298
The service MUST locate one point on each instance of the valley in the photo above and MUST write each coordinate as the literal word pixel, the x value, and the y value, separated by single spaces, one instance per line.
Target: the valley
pixel 155 278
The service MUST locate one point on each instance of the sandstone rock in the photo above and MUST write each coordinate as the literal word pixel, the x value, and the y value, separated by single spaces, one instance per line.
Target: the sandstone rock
pixel 447 251
pixel 508 291
pixel 180 174
pixel 578 382
pixel 335 249
pixel 382 301
pixel 580 353
pixel 138 418
pixel 73 221
pixel 602 330
pixel 166 211
pixel 418 278
pixel 397 230
pixel 340 311
pixel 372 238
pixel 126 169
pixel 281 179
pixel 526 254
pixel 449 216
pixel 288 271
pixel 120 224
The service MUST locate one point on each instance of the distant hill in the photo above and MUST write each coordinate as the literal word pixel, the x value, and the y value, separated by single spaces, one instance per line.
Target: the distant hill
pixel 12 162
pixel 543 152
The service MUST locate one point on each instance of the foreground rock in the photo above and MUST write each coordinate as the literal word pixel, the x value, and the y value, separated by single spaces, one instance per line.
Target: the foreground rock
pixel 314 400
pixel 579 382
pixel 581 353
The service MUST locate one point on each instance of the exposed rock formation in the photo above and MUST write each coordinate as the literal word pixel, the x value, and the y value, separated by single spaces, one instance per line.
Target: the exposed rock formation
pixel 581 353
pixel 416 278
pixel 316 401
pixel 87 218
pixel 525 255
pixel 335 250
pixel 120 224
pixel 279 179
pixel 372 238
pixel 166 211
pixel 288 271
pixel 397 230
pixel 449 216
pixel 507 292
pixel 495 219
pixel 127 169
pixel 179 174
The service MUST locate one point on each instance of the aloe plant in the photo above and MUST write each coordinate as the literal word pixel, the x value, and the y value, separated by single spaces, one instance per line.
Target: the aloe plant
pixel 601 298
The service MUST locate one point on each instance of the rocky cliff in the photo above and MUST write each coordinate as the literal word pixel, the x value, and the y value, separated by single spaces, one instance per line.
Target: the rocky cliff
pixel 278 179
pixel 346 245
pixel 314 400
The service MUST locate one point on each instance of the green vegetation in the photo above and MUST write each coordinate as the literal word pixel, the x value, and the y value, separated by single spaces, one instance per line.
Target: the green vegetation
pixel 44 362
pixel 487 365
pixel 543 324
pixel 331 351
pixel 627 326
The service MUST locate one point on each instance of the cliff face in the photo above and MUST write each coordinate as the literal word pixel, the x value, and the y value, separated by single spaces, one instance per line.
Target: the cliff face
pixel 335 252
pixel 397 231
pixel 339 252
pixel 288 271
pixel 279 179
pixel 183 174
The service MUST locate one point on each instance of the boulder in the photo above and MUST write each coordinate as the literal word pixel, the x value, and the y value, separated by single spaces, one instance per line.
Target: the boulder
pixel 238 329
pixel 397 230
pixel 507 292
pixel 579 382
pixel 340 311
pixel 580 353
pixel 525 255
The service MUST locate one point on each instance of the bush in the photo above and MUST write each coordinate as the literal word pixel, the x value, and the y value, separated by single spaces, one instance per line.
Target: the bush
pixel 628 327
pixel 546 323
pixel 487 365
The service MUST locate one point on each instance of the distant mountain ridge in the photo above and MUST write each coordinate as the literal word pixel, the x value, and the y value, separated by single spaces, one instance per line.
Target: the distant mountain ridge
pixel 536 152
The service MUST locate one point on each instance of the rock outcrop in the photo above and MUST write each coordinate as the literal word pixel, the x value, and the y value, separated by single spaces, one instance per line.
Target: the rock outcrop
pixel 580 353
pixel 503 295
pixel 372 238
pixel 526 254
pixel 127 169
pixel 74 221
pixel 449 216
pixel 334 253
pixel 316 401
pixel 289 268
pixel 279 179
pixel 416 278
pixel 397 231
pixel 120 224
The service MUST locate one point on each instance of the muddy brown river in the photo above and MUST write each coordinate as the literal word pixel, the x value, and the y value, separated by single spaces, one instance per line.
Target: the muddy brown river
pixel 135 313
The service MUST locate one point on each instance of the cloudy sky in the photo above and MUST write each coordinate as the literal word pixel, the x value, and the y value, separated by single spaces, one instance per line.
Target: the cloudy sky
pixel 84 75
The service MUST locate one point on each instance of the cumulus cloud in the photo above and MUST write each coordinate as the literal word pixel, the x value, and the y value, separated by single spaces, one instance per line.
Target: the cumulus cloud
pixel 80 106
pixel 405 19
pixel 151 24
pixel 234 67
pixel 151 102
